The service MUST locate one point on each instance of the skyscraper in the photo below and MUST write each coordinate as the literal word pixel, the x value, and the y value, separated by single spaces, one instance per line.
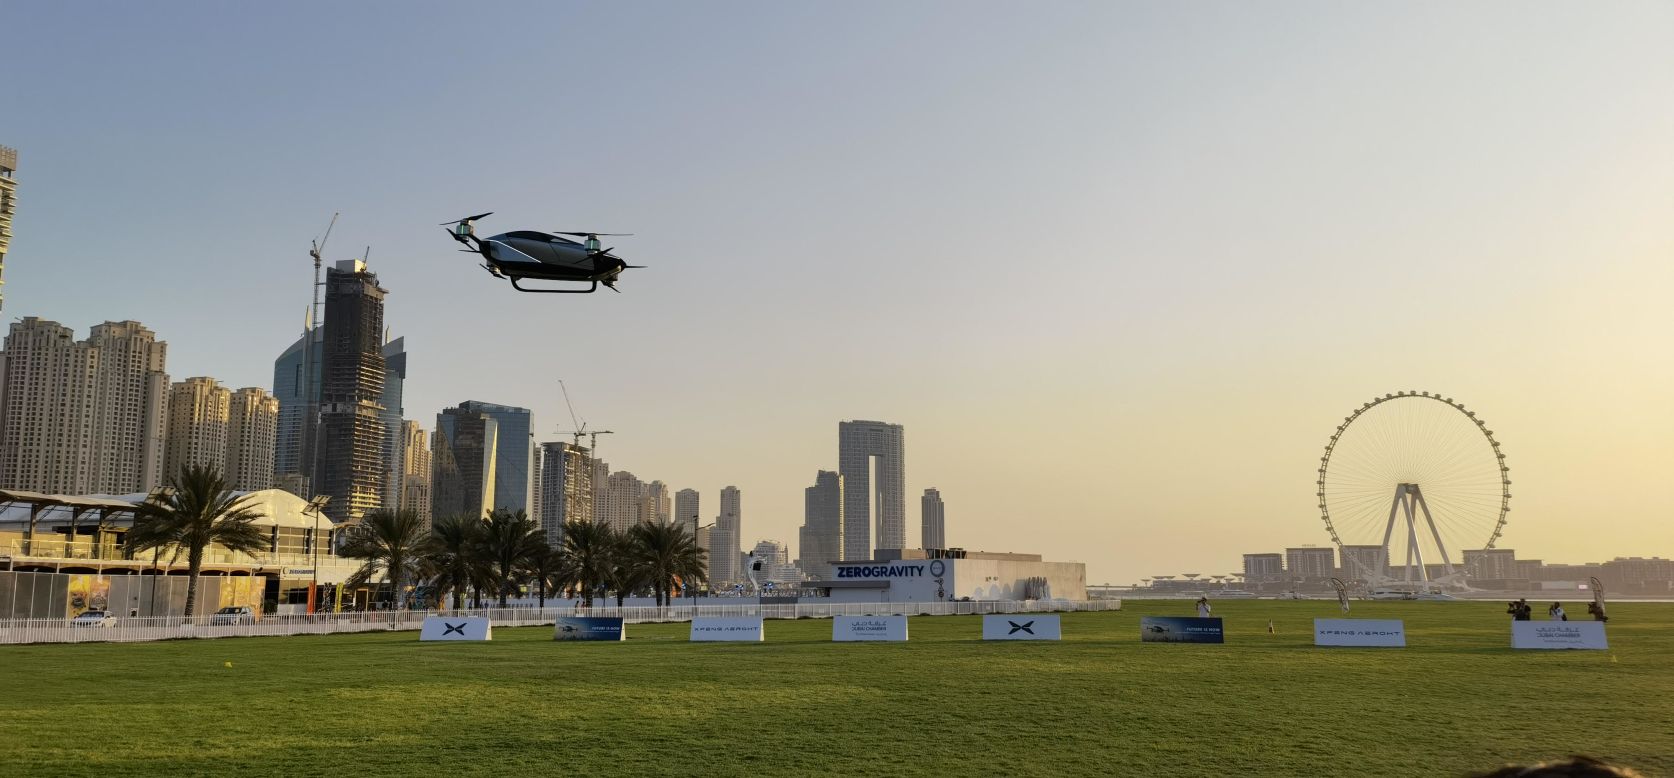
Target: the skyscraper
pixel 395 378
pixel 729 526
pixel 252 423
pixel 415 471
pixel 462 463
pixel 821 537
pixel 686 507
pixel 658 505
pixel 625 501
pixel 511 453
pixel 293 460
pixel 8 206
pixel 197 427
pixel 82 417
pixel 933 533
pixel 566 488
pixel 351 466
pixel 858 442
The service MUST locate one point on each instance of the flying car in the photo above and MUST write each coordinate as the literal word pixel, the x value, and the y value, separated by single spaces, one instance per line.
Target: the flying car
pixel 522 255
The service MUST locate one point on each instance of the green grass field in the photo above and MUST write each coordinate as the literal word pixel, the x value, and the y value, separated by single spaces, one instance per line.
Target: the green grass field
pixel 1098 703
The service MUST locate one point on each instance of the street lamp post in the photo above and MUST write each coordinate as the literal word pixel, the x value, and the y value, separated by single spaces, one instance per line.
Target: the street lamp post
pixel 316 506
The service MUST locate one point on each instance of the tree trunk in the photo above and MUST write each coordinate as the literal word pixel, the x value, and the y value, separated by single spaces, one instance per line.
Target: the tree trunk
pixel 194 565
pixel 540 588
pixel 505 584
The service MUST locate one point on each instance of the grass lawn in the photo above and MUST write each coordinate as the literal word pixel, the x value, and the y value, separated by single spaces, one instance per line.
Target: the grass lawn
pixel 1098 703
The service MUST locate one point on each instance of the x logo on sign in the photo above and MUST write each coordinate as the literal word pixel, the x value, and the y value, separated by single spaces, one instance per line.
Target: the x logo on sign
pixel 454 629
pixel 1024 627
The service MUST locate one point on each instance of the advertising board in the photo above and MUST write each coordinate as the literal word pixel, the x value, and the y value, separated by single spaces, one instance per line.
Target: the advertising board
pixel 1027 626
pixel 857 628
pixel 1559 634
pixel 456 628
pixel 588 628
pixel 727 630
pixel 1180 629
pixel 1379 633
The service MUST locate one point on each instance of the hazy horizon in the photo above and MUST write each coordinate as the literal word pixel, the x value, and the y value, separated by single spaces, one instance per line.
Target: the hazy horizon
pixel 1119 269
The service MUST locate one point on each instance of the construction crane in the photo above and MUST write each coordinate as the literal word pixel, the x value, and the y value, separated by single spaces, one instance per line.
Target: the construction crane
pixel 581 426
pixel 311 412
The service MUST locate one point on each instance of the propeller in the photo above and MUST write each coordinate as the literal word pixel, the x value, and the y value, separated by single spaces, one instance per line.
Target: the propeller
pixel 469 218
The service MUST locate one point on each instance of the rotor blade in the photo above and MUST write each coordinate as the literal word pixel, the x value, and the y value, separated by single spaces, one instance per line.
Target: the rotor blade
pixel 595 234
pixel 469 218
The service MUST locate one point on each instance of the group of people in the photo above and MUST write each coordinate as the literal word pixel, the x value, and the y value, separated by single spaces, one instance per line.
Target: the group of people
pixel 1521 611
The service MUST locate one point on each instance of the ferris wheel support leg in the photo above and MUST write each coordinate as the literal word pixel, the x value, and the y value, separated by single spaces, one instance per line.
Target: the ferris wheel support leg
pixel 1447 562
pixel 1414 551
pixel 1389 530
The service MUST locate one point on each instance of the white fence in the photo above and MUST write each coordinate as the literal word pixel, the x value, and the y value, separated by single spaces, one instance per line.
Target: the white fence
pixel 123 630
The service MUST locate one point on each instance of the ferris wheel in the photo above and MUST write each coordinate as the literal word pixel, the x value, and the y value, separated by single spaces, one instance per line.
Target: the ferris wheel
pixel 1412 480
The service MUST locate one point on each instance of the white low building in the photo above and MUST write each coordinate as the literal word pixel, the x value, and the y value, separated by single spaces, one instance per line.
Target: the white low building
pixel 919 575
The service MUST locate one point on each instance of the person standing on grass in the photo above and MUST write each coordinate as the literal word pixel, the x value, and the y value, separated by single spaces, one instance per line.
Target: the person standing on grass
pixel 1203 607
pixel 1556 612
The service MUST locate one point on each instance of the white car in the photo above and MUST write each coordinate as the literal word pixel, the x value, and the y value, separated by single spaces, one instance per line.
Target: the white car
pixel 233 614
pixel 94 619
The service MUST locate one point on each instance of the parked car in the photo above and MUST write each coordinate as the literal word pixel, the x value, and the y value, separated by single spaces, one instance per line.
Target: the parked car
pixel 233 614
pixel 94 619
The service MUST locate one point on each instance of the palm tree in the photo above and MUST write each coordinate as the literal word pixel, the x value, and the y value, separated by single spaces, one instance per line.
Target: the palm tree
pixel 549 569
pixel 506 543
pixel 451 554
pixel 625 571
pixel 665 551
pixel 391 543
pixel 197 511
pixel 587 549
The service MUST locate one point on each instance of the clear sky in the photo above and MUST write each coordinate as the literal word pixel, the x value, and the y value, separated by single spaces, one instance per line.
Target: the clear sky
pixel 1120 268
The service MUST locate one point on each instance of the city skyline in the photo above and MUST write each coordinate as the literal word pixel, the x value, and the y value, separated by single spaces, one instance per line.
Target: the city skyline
pixel 1203 262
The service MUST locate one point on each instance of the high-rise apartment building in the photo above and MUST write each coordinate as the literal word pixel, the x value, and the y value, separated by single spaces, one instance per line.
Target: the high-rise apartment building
pixel 297 387
pixel 395 379
pixel 351 467
pixel 415 471
pixel 686 507
pixel 8 207
pixel 1363 563
pixel 858 444
pixel 724 556
pixel 462 463
pixel 197 427
pixel 82 417
pixel 601 489
pixel 512 453
pixel 658 504
pixel 820 541
pixel 566 485
pixel 625 501
pixel 933 520
pixel 1310 562
pixel 252 424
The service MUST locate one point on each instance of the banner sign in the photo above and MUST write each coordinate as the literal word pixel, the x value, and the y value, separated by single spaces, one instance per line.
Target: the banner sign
pixel 726 629
pixel 1021 627
pixel 851 628
pixel 1381 633
pixel 588 628
pixel 456 628
pixel 1180 629
pixel 1558 634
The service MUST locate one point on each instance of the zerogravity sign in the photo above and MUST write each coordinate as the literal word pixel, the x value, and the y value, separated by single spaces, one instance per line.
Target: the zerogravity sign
pixel 1180 629
pixel 1376 633
pixel 588 628
pixel 1026 626
pixel 1558 634
pixel 854 628
pixel 456 628
pixel 726 630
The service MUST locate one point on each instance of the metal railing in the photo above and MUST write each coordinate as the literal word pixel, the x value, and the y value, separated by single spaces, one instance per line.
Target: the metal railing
pixel 127 630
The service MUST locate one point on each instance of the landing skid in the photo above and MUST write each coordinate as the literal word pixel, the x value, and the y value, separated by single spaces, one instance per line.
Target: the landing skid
pixel 588 290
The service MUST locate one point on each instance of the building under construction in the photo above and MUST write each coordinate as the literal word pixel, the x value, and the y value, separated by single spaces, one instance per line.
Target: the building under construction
pixel 351 465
